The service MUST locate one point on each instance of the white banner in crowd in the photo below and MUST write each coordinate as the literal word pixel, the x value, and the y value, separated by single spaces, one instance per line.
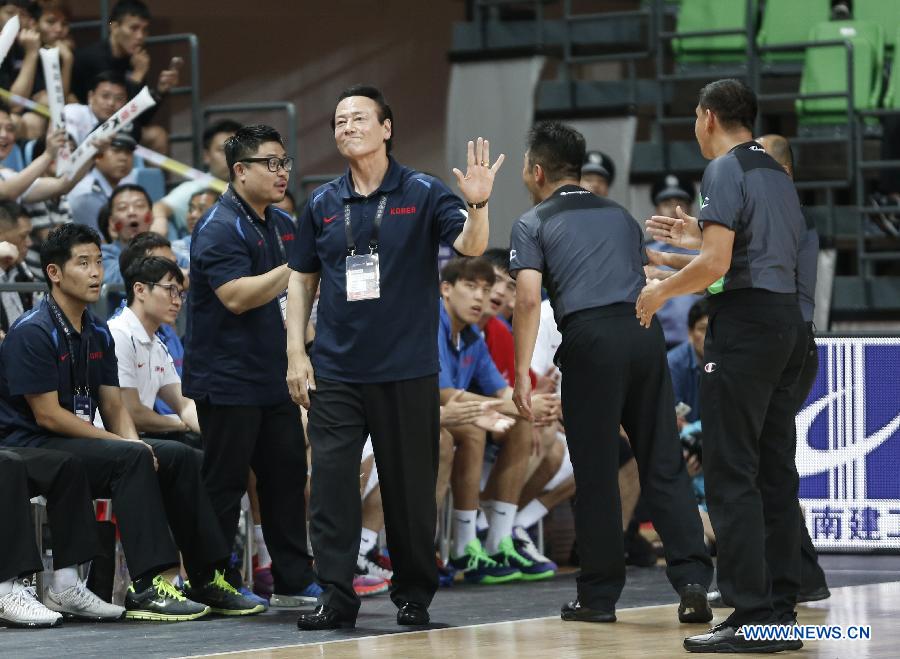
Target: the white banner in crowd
pixel 134 108
pixel 8 36
pixel 56 99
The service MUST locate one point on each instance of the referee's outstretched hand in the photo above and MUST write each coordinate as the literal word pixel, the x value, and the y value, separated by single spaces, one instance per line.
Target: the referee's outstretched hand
pixel 478 181
pixel 682 231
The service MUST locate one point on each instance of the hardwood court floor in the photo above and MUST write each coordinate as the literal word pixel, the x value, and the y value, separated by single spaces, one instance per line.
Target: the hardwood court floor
pixel 651 631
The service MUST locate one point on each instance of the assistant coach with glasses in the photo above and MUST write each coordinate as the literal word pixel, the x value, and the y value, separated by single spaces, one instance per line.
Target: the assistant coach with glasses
pixel 234 355
pixel 371 237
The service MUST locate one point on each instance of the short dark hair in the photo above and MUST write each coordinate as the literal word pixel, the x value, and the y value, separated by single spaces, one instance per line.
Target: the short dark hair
pixel 698 311
pixel 57 247
pixel 10 212
pixel 204 191
pixel 384 110
pixel 140 246
pixel 125 8
pixel 246 141
pixel 559 149
pixel 220 126
pixel 111 77
pixel 4 106
pixel 127 187
pixel 732 101
pixel 498 257
pixel 468 268
pixel 149 270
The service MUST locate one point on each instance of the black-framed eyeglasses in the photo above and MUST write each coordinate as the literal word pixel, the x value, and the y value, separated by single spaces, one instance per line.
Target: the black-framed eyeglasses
pixel 273 163
pixel 175 292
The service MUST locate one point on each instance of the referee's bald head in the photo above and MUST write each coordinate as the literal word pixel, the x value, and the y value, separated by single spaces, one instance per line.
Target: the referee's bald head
pixel 780 149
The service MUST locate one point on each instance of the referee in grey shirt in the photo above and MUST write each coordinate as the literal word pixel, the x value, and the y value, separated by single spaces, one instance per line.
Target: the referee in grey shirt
pixel 755 348
pixel 588 252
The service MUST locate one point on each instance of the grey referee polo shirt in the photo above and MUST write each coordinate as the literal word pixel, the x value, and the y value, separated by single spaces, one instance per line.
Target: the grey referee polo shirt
pixel 747 191
pixel 589 249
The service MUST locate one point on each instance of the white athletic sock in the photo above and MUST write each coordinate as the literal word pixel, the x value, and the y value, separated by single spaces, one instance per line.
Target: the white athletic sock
pixel 463 529
pixel 502 516
pixel 262 552
pixel 367 540
pixel 482 523
pixel 528 516
pixel 63 579
pixel 6 587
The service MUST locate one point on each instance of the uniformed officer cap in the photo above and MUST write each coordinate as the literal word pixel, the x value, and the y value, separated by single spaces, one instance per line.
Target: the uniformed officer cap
pixel 672 186
pixel 123 141
pixel 597 162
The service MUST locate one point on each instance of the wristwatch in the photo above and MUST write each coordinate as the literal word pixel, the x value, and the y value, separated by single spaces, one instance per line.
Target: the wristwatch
pixel 480 204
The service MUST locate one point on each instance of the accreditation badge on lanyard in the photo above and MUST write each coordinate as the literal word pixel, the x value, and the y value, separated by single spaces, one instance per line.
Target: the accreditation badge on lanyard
pixel 79 365
pixel 363 271
pixel 282 296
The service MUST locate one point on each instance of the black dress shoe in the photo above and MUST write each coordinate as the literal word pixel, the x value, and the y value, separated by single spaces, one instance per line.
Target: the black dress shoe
pixel 324 617
pixel 413 614
pixel 573 611
pixel 725 638
pixel 694 606
pixel 814 595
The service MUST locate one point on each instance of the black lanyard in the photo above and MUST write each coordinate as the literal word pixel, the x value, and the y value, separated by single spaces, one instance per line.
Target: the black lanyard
pixel 376 224
pixel 68 331
pixel 259 232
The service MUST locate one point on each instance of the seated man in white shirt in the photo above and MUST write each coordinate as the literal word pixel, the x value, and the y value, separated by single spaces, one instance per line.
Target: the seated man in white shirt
pixel 154 288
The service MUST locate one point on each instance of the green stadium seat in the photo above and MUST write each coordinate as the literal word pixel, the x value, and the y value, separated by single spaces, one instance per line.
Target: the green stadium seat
pixel 789 21
pixel 699 15
pixel 825 70
pixel 883 12
pixel 892 97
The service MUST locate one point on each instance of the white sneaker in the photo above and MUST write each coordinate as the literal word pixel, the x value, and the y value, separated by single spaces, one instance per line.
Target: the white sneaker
pixel 526 547
pixel 21 608
pixel 79 602
pixel 368 567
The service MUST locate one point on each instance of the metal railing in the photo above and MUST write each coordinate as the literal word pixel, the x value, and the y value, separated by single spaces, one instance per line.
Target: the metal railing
pixel 192 90
pixel 101 23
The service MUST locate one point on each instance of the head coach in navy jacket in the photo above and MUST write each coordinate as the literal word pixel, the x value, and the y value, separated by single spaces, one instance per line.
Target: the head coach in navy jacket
pixel 370 238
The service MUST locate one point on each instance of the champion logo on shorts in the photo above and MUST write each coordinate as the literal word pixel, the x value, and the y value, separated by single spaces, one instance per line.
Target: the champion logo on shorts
pixel 710 367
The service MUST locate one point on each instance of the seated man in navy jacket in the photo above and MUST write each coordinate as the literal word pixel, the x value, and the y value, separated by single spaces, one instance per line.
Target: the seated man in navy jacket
pixel 57 368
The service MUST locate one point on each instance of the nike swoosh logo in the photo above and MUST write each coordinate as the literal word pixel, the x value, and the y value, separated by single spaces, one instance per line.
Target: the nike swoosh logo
pixel 329 220
pixel 702 206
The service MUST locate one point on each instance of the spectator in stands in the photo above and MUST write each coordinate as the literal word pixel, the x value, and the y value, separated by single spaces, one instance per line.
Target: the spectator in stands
pixel 41 225
pixel 124 53
pixel 465 361
pixel 51 19
pixel 170 212
pixel 57 368
pixel 235 362
pixel 686 360
pixel 112 167
pixel 598 173
pixel 672 196
pixel 288 205
pixel 107 95
pixel 129 216
pixel 199 203
pixel 61 479
pixel 31 184
pixel 19 67
pixel 15 229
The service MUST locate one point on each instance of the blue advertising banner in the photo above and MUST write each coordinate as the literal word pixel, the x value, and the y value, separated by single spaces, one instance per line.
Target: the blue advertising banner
pixel 848 446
